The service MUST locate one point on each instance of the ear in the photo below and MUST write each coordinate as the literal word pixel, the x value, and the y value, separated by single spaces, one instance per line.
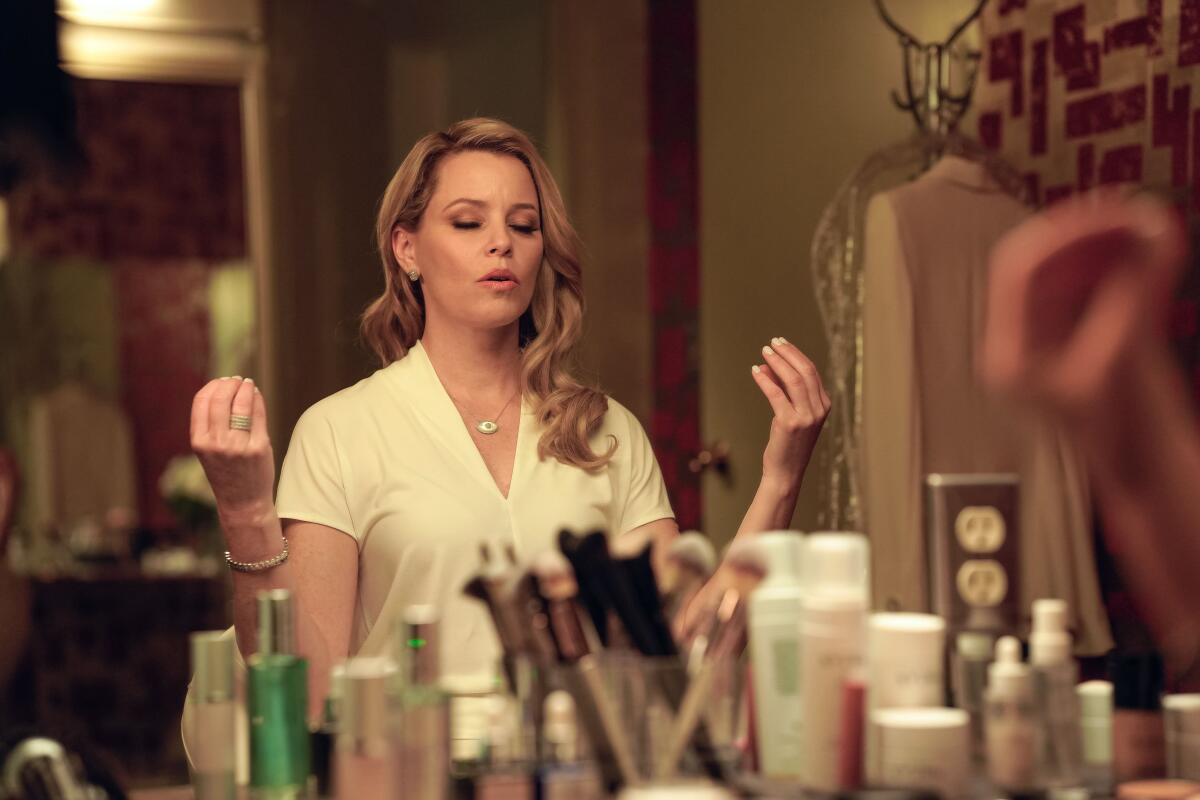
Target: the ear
pixel 404 247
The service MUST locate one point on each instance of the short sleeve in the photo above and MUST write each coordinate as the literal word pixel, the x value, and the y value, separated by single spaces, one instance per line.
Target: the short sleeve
pixel 311 485
pixel 639 491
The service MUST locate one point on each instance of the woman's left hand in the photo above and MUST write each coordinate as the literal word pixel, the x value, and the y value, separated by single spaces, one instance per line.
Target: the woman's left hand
pixel 793 388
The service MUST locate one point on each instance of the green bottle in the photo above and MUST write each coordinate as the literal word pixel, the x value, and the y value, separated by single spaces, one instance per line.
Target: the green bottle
pixel 277 704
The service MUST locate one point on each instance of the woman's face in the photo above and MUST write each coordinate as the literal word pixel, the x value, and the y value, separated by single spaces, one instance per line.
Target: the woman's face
pixel 478 246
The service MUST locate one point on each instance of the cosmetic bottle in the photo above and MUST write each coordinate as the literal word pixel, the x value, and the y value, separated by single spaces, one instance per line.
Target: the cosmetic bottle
pixel 1013 728
pixel 1096 736
pixel 277 701
pixel 834 572
pixel 213 716
pixel 1138 736
pixel 1055 676
pixel 366 762
pixel 969 664
pixel 324 736
pixel 774 608
pixel 1181 714
pixel 423 709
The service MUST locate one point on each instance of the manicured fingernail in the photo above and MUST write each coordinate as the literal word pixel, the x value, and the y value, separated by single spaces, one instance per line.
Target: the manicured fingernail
pixel 781 340
pixel 237 377
pixel 755 369
pixel 225 378
pixel 256 391
pixel 250 381
pixel 767 351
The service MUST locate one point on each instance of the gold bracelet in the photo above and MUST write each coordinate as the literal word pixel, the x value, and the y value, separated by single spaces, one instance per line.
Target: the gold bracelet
pixel 258 566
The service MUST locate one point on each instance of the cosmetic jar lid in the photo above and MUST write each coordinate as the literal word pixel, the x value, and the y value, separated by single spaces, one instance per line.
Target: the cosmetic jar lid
pixel 1181 714
pixel 975 645
pixel 906 631
pixel 781 554
pixel 676 790
pixel 1095 700
pixel 276 623
pixel 212 666
pixel 886 794
pixel 364 712
pixel 921 719
pixel 1157 790
pixel 835 568
pixel 1137 680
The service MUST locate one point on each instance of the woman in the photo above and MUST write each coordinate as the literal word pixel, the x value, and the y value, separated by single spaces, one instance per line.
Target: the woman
pixel 474 429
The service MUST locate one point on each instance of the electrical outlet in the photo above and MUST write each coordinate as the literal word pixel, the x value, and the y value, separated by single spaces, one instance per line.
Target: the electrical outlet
pixel 982 583
pixel 980 529
pixel 972 537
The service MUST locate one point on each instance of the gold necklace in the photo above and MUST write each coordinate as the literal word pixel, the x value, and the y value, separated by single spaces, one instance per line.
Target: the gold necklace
pixel 486 426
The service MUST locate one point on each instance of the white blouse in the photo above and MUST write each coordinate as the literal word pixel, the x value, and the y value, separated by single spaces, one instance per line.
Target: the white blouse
pixel 390 463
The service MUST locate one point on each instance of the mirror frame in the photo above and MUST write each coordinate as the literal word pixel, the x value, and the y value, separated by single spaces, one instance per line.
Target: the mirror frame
pixel 232 57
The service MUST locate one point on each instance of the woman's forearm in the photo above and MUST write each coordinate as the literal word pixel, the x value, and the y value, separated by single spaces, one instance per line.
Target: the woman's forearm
pixel 772 507
pixel 259 538
pixel 1143 449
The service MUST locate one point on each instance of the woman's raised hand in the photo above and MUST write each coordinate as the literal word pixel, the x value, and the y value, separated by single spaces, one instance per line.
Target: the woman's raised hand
pixel 790 382
pixel 229 435
pixel 1074 293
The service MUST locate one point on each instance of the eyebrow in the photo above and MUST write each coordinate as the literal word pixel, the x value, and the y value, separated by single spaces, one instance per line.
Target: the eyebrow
pixel 482 204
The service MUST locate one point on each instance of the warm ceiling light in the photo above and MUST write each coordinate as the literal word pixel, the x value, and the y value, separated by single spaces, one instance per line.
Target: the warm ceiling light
pixel 100 8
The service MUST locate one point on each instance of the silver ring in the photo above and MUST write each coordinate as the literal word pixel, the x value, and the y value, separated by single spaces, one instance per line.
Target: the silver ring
pixel 239 422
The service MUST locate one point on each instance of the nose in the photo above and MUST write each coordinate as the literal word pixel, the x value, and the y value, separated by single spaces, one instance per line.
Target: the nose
pixel 501 245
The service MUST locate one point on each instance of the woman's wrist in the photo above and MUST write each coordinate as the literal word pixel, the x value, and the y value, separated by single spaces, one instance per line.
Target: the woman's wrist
pixel 253 532
pixel 779 488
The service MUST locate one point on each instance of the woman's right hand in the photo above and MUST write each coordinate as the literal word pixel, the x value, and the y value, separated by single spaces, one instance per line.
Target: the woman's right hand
pixel 239 464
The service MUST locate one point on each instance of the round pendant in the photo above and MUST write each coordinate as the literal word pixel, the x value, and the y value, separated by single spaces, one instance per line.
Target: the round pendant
pixel 487 426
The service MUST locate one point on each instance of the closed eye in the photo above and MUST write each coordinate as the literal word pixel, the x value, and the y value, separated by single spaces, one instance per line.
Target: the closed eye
pixel 528 230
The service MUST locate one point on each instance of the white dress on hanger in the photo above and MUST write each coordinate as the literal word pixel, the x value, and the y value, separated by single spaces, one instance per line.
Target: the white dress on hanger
pixel 925 255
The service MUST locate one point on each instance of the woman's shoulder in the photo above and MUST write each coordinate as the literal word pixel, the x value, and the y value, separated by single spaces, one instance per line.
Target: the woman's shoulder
pixel 618 421
pixel 350 402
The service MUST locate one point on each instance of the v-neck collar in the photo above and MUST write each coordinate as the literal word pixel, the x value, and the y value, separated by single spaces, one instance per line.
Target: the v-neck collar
pixel 438 406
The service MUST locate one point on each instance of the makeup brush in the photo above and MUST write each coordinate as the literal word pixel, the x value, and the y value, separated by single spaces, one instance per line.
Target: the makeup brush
pixel 594 599
pixel 595 567
pixel 689 562
pixel 728 640
pixel 569 626
pixel 632 558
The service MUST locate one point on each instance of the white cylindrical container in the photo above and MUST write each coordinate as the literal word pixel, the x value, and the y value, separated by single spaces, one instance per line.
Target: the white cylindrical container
pixel 836 581
pixel 923 748
pixel 212 721
pixel 905 656
pixel 774 633
pixel 366 763
pixel 1181 717
pixel 1095 727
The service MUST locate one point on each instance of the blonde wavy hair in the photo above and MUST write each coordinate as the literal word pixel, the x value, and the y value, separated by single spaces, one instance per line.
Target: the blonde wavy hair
pixel 569 411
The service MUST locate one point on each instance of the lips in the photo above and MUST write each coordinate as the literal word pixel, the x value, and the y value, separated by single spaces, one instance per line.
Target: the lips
pixel 499 276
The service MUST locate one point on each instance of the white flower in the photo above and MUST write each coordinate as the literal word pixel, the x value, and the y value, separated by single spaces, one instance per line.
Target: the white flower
pixel 184 478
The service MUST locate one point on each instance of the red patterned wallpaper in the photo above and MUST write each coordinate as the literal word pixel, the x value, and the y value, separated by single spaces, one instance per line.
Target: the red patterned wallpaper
pixel 1078 95
pixel 673 187
pixel 159 204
